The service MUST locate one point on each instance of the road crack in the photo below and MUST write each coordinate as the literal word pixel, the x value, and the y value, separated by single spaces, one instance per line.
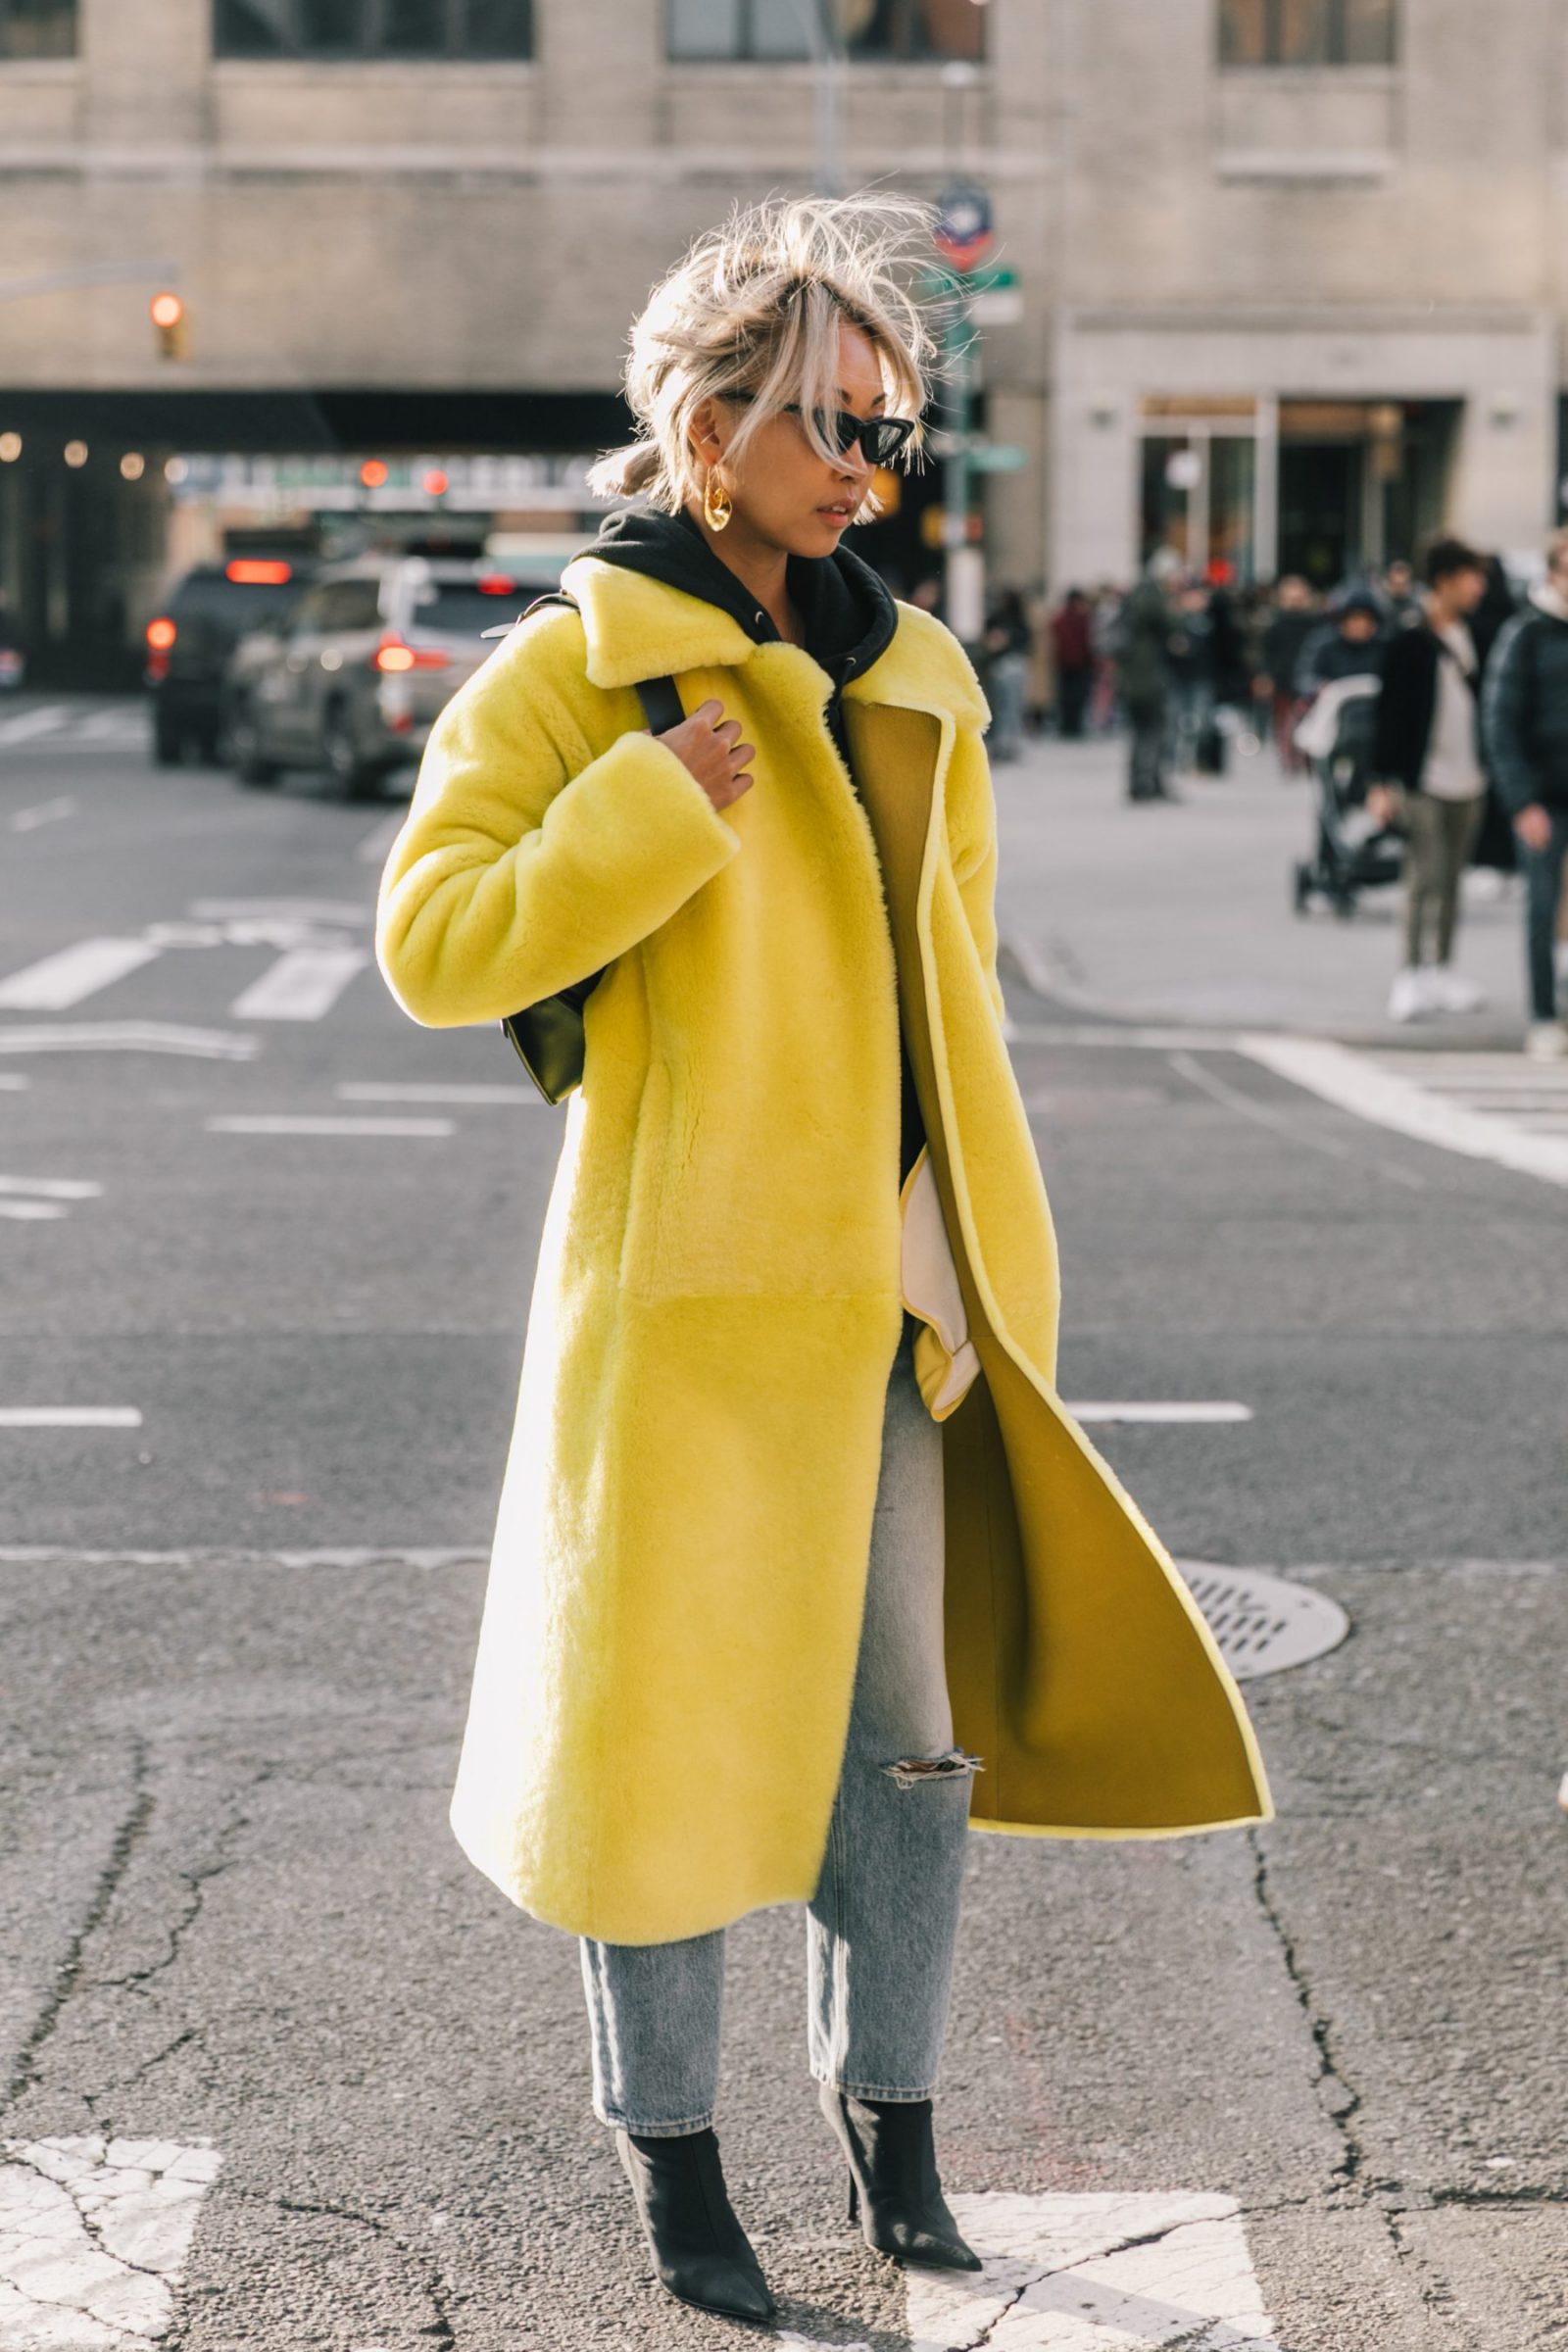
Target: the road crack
pixel 123 1845
pixel 427 2275
pixel 1342 2101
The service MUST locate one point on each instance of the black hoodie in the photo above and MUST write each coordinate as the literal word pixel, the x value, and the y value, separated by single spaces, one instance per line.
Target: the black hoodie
pixel 849 616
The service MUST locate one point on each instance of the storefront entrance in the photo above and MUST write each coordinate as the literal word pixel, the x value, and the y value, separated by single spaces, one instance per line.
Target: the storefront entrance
pixel 1244 489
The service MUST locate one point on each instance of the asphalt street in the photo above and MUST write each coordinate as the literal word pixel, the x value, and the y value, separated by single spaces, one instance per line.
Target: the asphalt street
pixel 270 1248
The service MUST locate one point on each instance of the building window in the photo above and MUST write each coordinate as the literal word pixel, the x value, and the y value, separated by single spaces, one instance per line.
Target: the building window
pixel 761 31
pixel 38 28
pixel 1307 32
pixel 339 28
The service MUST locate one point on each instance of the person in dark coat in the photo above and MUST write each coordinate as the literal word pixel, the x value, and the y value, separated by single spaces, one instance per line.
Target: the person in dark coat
pixel 1496 847
pixel 1073 643
pixel 1525 730
pixel 1147 674
pixel 1432 785
pixel 1346 644
pixel 1294 620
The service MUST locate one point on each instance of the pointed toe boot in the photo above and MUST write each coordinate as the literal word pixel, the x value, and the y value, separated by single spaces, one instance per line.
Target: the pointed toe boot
pixel 895 2192
pixel 701 2252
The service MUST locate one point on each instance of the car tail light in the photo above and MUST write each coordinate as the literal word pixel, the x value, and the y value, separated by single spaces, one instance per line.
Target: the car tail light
pixel 160 635
pixel 496 583
pixel 259 571
pixel 392 657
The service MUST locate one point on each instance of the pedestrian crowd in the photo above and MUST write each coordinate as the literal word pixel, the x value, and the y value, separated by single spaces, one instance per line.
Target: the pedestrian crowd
pixel 1428 706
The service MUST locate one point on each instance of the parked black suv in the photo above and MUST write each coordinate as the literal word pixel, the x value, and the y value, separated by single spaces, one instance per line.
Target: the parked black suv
pixel 191 637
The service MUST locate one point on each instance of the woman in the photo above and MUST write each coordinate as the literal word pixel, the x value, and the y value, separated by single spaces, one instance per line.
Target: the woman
pixel 796 1536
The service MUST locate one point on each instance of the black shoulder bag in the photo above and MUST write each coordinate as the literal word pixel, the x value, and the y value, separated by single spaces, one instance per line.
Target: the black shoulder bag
pixel 549 1036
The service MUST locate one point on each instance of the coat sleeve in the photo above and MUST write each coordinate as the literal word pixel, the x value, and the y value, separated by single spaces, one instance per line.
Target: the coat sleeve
pixel 972 837
pixel 1505 718
pixel 527 863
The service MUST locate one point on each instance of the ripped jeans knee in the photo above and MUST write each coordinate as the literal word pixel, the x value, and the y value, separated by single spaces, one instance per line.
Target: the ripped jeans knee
pixel 914 1772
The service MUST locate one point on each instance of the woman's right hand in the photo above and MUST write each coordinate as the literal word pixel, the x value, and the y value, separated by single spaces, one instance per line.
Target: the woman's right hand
pixel 705 745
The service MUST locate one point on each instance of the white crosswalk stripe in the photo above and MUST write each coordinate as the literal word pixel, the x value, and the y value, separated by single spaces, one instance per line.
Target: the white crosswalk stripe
pixel 1094 2273
pixel 1495 1107
pixel 94 2236
pixel 27 726
pixel 77 727
pixel 313 965
pixel 75 973
pixel 301 986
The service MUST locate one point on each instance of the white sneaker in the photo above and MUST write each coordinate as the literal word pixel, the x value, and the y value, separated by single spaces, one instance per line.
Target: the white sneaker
pixel 1409 999
pixel 1546 1041
pixel 1449 991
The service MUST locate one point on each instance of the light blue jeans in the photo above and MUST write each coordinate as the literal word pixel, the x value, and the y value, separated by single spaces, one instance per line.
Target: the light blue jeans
pixel 882 1925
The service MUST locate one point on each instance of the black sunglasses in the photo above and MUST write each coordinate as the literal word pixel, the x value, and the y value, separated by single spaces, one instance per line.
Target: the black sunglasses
pixel 880 437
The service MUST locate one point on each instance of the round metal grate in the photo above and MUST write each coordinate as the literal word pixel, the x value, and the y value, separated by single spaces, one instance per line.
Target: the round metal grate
pixel 1263 1622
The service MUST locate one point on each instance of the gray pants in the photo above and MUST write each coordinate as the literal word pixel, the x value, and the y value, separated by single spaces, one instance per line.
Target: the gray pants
pixel 882 1925
pixel 1441 834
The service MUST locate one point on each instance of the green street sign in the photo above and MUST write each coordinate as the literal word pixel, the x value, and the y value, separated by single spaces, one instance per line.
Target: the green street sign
pixel 997 457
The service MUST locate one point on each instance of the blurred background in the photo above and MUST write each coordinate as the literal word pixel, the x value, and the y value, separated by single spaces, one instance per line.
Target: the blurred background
pixel 1276 283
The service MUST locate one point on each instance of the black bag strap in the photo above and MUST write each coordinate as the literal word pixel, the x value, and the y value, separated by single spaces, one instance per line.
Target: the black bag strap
pixel 660 697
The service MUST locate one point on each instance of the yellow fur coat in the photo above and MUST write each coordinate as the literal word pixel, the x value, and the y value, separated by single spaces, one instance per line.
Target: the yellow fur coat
pixel 665 1663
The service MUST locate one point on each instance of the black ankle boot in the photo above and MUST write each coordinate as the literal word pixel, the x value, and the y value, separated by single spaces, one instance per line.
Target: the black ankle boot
pixel 894 2193
pixel 699 2251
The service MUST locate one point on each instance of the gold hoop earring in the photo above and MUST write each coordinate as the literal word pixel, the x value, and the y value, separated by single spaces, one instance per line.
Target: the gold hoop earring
pixel 718 503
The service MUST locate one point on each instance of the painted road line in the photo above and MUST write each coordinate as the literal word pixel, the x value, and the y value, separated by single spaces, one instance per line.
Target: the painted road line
pixel 127 1036
pixel 1174 1412
pixel 29 723
pixel 1145 1040
pixel 125 725
pixel 47 812
pixel 348 912
pixel 1265 1115
pixel 53 1188
pixel 377 846
pixel 267 1123
pixel 10 1084
pixel 391 1090
pixel 1389 1099
pixel 75 973
pixel 35 1212
pixel 1094 2274
pixel 95 2236
pixel 70 1416
pixel 301 986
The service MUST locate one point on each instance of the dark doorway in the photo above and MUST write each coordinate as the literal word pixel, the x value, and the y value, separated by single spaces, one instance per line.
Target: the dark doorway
pixel 1320 509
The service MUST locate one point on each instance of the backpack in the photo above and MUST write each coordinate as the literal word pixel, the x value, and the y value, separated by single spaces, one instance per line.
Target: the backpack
pixel 549 1037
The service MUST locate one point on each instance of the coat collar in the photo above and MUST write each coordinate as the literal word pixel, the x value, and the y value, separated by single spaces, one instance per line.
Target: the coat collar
pixel 638 627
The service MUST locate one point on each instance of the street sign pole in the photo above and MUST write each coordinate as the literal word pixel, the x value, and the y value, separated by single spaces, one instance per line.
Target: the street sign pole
pixel 963 238
pixel 963 585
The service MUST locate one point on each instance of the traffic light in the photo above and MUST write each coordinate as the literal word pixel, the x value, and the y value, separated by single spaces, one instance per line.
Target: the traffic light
pixel 167 315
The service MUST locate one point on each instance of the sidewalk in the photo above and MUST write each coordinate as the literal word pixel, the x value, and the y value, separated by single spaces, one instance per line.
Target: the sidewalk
pixel 1182 912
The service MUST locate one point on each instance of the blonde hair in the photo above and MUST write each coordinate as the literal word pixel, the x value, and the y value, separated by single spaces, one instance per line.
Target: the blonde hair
pixel 756 305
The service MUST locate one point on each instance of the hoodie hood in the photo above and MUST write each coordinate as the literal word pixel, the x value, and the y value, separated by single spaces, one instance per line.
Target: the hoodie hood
pixel 849 615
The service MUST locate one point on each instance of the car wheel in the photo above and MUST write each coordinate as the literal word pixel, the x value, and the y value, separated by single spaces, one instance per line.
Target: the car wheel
pixel 251 764
pixel 349 772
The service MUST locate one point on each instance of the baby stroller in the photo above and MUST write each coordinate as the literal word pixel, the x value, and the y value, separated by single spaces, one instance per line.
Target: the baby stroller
pixel 1351 851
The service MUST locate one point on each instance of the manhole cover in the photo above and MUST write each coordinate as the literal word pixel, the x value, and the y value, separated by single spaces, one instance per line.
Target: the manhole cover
pixel 1263 1622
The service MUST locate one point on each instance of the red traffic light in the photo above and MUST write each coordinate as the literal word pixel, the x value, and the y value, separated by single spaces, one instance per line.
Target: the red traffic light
pixel 373 473
pixel 165 311
pixel 259 571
